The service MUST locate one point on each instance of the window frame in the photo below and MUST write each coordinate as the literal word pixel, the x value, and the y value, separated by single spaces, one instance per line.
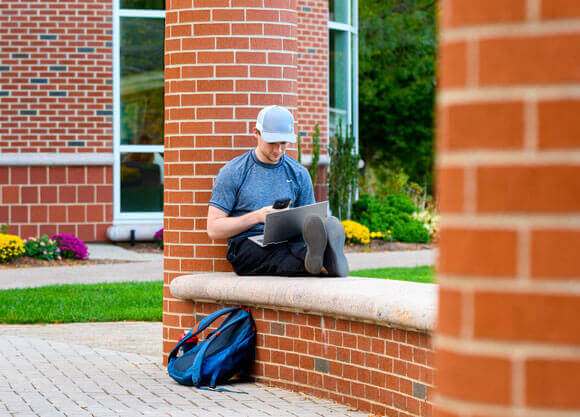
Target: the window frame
pixel 118 216
pixel 352 66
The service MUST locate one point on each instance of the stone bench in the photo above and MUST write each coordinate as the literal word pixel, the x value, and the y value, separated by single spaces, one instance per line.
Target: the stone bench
pixel 359 341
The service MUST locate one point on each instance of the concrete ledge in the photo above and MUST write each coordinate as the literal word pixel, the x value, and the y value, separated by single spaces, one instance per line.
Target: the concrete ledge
pixel 55 159
pixel 406 305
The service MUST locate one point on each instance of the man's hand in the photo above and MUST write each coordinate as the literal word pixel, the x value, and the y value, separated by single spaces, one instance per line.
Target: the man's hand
pixel 261 214
pixel 221 226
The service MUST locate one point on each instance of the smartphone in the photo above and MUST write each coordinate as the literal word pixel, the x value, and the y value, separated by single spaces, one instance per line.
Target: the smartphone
pixel 282 204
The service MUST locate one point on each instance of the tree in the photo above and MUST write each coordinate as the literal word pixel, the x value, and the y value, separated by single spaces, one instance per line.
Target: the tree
pixel 397 54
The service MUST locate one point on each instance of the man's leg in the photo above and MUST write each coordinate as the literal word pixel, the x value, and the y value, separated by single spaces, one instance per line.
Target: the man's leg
pixel 334 260
pixel 285 259
pixel 324 240
pixel 314 235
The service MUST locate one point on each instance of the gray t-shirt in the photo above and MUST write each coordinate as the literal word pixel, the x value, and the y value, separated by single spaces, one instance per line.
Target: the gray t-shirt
pixel 246 184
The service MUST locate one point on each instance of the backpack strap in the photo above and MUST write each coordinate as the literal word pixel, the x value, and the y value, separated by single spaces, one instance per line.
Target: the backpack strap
pixel 221 390
pixel 201 326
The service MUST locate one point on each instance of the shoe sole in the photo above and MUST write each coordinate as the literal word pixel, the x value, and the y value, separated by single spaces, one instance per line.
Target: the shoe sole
pixel 336 262
pixel 314 235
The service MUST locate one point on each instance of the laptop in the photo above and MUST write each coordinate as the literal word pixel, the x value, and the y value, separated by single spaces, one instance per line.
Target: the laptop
pixel 284 225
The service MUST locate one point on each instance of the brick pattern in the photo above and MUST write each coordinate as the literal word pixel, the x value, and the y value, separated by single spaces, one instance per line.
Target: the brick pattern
pixel 50 200
pixel 313 73
pixel 223 64
pixel 370 367
pixel 56 76
pixel 507 341
pixel 321 186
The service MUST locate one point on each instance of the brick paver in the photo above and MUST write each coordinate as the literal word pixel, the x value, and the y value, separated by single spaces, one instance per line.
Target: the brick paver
pixel 45 378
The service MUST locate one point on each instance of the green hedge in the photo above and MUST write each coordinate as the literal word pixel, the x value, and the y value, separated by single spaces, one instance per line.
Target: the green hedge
pixel 391 213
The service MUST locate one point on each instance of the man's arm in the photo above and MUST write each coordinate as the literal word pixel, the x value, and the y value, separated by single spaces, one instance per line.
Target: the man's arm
pixel 221 226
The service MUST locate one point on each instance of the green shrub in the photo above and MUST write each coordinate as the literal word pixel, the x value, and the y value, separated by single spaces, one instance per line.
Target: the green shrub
pixel 42 248
pixel 414 232
pixel 342 178
pixel 402 202
pixel 313 168
pixel 391 214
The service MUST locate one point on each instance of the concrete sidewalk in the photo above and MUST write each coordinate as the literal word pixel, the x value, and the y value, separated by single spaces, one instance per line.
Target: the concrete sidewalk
pixel 139 267
pixel 149 267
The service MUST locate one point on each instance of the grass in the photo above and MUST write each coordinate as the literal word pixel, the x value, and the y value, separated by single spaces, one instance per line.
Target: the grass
pixel 126 301
pixel 130 301
pixel 424 274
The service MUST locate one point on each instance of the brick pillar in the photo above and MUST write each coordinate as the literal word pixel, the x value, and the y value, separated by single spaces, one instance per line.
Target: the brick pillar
pixel 224 61
pixel 508 338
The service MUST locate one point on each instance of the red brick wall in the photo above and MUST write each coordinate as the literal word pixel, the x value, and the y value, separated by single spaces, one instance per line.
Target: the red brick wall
pixel 508 178
pixel 56 76
pixel 56 97
pixel 313 72
pixel 48 200
pixel 373 368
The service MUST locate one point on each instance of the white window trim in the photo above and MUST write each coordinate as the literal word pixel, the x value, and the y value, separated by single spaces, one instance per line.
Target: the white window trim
pixel 352 71
pixel 118 217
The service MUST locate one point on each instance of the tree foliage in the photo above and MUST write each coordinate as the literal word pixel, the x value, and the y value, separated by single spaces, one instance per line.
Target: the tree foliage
pixel 397 55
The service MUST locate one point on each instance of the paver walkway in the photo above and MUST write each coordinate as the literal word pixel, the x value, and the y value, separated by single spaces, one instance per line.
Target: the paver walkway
pixel 46 378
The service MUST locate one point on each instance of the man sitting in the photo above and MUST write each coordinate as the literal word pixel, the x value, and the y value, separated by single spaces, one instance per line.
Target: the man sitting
pixel 243 194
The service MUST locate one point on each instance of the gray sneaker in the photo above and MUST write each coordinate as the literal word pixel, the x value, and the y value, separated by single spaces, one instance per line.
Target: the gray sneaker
pixel 314 235
pixel 334 259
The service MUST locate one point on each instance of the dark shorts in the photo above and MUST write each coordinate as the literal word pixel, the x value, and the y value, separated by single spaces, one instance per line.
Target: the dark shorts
pixel 285 259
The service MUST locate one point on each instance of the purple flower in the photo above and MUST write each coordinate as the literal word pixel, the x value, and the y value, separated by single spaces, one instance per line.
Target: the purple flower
pixel 158 237
pixel 71 246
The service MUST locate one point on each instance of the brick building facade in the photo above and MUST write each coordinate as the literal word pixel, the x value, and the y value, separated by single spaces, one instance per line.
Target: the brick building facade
pixel 56 107
pixel 79 149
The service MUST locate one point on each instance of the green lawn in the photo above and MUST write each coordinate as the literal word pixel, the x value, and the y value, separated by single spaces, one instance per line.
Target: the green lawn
pixel 125 301
pixel 425 274
pixel 132 301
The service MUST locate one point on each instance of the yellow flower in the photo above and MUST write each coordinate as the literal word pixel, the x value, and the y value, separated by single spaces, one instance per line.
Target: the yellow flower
pixel 356 232
pixel 10 247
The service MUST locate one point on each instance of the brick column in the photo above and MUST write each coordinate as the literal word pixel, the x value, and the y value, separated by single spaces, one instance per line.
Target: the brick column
pixel 508 339
pixel 224 61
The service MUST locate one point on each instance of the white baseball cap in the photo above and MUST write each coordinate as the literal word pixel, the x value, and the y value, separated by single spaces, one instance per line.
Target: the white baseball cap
pixel 276 124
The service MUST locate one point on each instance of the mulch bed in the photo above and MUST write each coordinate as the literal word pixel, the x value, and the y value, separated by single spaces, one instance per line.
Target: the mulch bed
pixel 142 247
pixel 28 262
pixel 378 245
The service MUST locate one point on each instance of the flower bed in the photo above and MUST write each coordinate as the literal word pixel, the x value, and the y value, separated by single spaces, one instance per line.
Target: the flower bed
pixel 59 250
pixel 28 262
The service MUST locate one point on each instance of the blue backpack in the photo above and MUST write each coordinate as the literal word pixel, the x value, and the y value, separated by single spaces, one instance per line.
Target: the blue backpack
pixel 226 351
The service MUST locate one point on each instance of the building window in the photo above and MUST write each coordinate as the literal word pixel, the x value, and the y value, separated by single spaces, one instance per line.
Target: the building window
pixel 139 28
pixel 343 68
